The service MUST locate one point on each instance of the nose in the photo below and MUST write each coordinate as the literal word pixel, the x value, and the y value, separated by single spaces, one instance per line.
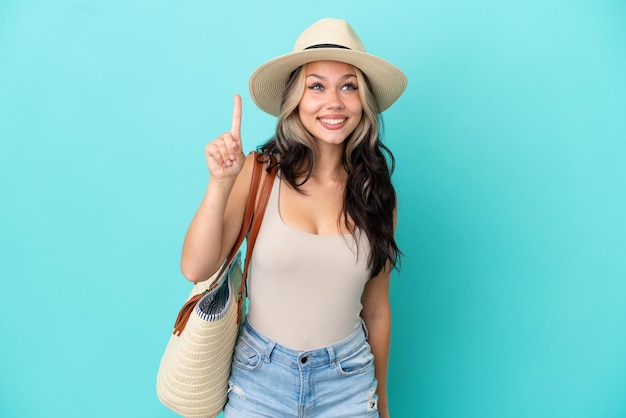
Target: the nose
pixel 334 100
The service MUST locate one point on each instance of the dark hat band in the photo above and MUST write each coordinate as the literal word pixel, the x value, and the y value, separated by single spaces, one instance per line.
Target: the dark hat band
pixel 326 46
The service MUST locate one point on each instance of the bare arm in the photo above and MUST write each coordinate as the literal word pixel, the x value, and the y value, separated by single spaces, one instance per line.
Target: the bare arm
pixel 376 314
pixel 217 221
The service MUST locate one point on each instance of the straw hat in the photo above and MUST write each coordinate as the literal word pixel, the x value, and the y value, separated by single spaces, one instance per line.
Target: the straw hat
pixel 325 40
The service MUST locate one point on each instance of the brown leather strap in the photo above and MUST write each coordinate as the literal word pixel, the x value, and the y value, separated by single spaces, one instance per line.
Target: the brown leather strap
pixel 185 313
pixel 247 216
pixel 257 220
pixel 249 212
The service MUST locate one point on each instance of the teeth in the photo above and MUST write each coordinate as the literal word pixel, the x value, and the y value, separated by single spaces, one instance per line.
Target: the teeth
pixel 332 121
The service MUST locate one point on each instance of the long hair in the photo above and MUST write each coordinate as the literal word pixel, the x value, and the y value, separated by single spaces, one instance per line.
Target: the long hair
pixel 369 198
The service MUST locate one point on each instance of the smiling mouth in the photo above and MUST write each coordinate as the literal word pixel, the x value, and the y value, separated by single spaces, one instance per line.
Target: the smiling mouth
pixel 333 122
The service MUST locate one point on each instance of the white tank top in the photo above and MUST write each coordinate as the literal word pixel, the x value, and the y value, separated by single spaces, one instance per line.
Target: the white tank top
pixel 304 289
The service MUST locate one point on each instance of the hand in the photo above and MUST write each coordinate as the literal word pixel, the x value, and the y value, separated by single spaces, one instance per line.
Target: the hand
pixel 224 155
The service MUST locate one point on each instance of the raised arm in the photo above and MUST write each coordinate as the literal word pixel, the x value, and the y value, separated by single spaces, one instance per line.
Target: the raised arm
pixel 217 221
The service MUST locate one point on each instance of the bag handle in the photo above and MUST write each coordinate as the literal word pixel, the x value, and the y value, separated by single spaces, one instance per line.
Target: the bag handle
pixel 257 220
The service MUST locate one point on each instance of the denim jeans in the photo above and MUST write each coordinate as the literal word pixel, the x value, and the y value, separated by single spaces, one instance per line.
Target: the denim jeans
pixel 269 380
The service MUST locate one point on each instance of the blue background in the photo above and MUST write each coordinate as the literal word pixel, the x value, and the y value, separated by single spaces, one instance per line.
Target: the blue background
pixel 510 145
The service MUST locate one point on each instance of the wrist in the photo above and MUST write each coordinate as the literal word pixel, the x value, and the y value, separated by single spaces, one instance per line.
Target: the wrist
pixel 219 187
pixel 383 407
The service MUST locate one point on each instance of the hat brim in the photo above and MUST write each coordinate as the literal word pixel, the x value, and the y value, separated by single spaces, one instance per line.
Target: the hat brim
pixel 267 83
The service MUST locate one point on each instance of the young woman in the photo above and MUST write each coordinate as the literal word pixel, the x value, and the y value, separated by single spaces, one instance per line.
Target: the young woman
pixel 315 342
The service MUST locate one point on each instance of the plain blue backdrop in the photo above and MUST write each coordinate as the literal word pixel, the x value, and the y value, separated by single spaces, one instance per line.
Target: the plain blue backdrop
pixel 510 143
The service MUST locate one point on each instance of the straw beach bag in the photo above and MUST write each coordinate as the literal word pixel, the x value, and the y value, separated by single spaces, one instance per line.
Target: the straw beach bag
pixel 193 374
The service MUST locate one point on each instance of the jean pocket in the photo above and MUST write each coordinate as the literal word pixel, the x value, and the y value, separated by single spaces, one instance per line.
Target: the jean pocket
pixel 245 356
pixel 360 361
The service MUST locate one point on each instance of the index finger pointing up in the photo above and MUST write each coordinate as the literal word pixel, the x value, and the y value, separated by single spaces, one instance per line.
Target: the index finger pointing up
pixel 235 129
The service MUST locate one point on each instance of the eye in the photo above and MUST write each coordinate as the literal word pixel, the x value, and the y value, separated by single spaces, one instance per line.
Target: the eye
pixel 316 86
pixel 349 87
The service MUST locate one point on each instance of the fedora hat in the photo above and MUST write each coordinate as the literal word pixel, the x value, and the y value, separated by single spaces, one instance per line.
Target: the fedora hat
pixel 325 40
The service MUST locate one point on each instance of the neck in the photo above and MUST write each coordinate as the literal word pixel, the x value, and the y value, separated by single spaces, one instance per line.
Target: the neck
pixel 329 162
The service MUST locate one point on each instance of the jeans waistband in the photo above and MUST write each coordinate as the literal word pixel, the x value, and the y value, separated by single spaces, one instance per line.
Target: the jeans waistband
pixel 272 351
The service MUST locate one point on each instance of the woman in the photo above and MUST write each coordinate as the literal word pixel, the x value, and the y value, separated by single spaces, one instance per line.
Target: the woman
pixel 316 339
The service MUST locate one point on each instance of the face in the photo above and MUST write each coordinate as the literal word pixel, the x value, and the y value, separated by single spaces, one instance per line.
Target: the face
pixel 330 107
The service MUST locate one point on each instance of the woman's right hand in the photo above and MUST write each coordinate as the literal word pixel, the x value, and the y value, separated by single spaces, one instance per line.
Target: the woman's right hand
pixel 224 155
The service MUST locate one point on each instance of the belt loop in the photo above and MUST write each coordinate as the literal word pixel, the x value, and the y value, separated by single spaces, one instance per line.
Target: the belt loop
pixel 331 356
pixel 364 329
pixel 268 351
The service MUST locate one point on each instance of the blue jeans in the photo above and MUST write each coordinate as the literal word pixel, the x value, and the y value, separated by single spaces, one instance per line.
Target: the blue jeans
pixel 269 380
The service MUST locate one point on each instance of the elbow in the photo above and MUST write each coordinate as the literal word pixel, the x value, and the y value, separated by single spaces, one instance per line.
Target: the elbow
pixel 191 273
pixel 188 273
pixel 380 314
pixel 195 272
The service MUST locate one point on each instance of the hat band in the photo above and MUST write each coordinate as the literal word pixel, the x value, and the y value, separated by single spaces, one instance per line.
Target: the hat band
pixel 326 46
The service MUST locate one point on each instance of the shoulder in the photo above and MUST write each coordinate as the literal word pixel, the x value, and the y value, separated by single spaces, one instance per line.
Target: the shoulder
pixel 245 175
pixel 241 189
pixel 243 183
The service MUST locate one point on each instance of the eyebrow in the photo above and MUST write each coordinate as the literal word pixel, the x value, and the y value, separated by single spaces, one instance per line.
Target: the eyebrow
pixel 321 77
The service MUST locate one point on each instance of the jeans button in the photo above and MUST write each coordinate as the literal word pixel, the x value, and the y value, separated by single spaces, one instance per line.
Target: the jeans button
pixel 303 360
